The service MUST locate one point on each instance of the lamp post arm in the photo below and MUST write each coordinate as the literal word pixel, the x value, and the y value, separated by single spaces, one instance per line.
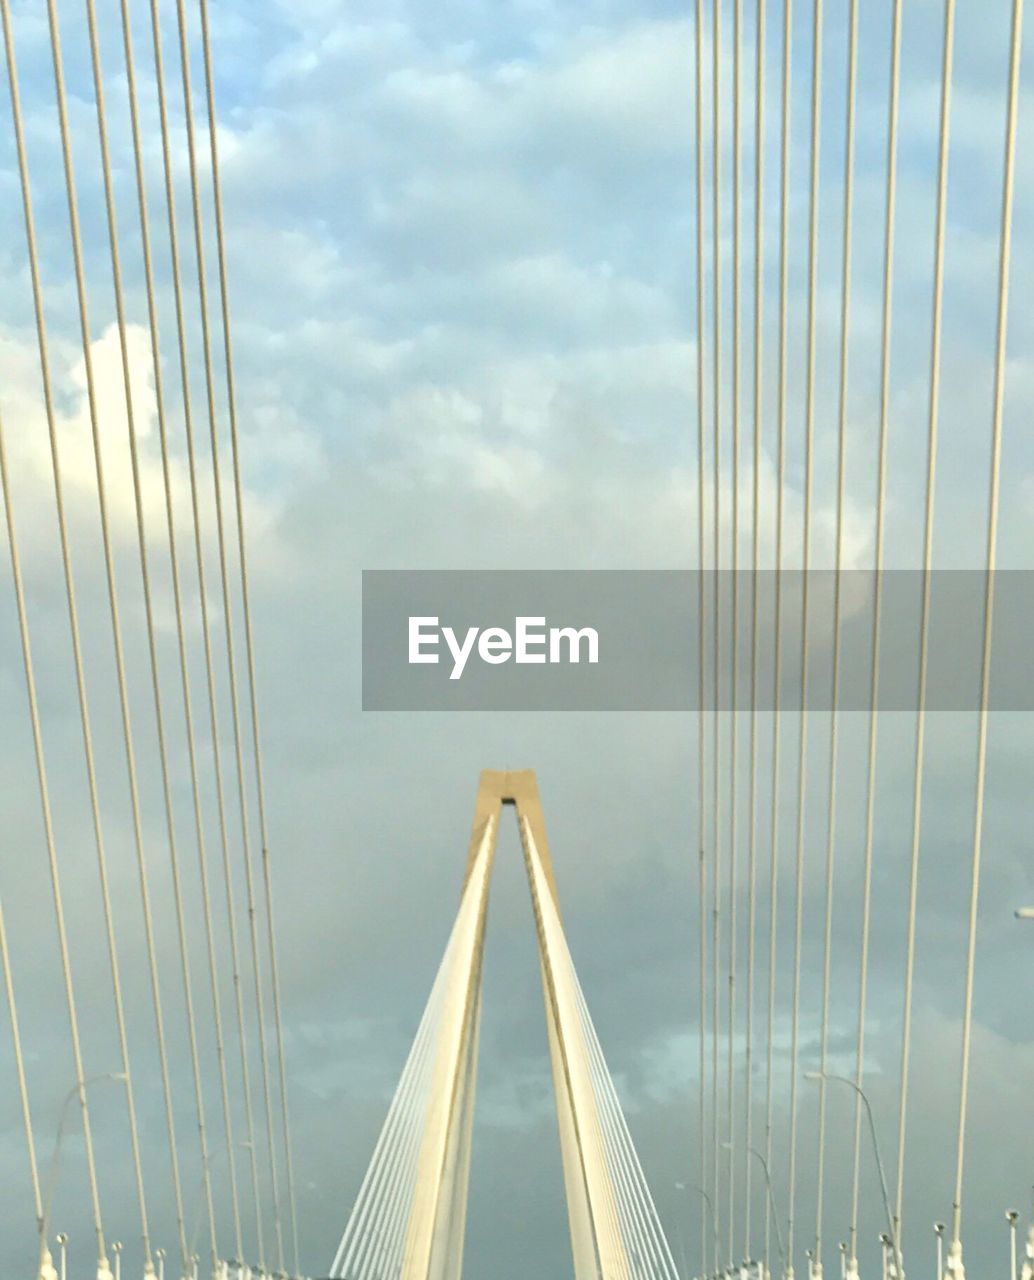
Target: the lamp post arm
pixel 76 1091
pixel 879 1166
pixel 710 1208
pixel 771 1201
pixel 892 1233
pixel 892 1226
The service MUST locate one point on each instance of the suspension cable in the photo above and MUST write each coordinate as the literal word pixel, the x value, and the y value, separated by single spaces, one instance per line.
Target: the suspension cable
pixel 159 390
pixel 12 1006
pixel 737 21
pixel 845 333
pixel 877 607
pixel 933 416
pixel 248 638
pixel 809 422
pixel 184 57
pixel 177 888
pixel 701 757
pixel 773 905
pixel 177 282
pixel 1004 260
pixel 716 231
pixel 48 827
pixel 759 169
pixel 44 357
pixel 5 960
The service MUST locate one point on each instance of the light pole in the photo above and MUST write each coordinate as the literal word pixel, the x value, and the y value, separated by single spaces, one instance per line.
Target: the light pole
pixel 217 1266
pixel 939 1232
pixel 74 1092
pixel 892 1239
pixel 62 1244
pixel 160 1255
pixel 687 1186
pixel 682 1248
pixel 771 1198
pixel 116 1249
pixel 1011 1217
pixel 1025 913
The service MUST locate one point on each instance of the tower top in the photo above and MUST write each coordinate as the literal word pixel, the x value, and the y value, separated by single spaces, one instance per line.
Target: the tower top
pixel 517 787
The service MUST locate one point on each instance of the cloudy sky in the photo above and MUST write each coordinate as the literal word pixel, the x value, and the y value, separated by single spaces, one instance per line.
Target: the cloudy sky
pixel 461 253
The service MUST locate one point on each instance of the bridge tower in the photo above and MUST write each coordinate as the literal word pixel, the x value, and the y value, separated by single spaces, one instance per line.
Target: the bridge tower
pixel 410 1216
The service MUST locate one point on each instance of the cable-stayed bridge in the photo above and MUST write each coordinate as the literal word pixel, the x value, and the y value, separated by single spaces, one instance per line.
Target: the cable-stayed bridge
pixel 165 693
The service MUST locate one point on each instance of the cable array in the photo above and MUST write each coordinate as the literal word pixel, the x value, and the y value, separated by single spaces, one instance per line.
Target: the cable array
pixel 791 316
pixel 374 1238
pixel 162 735
pixel 409 1215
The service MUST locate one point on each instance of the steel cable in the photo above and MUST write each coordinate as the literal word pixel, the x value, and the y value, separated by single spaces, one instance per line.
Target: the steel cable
pixel 933 416
pixel 831 800
pixel 84 717
pixel 12 1004
pixel 716 41
pixel 759 170
pixel 188 112
pixel 170 825
pixel 160 409
pixel 998 401
pixel 784 255
pixel 877 608
pixel 702 629
pixel 169 192
pixel 802 743
pixel 733 605
pixel 249 647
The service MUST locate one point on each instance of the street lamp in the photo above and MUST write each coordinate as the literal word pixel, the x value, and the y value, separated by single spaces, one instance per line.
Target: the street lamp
pixel 1025 913
pixel 685 1186
pixel 892 1233
pixel 682 1249
pixel 116 1249
pixel 160 1255
pixel 885 1250
pixel 771 1198
pixel 939 1232
pixel 44 1223
pixel 1011 1218
pixel 681 1186
pixel 62 1244
pixel 218 1267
